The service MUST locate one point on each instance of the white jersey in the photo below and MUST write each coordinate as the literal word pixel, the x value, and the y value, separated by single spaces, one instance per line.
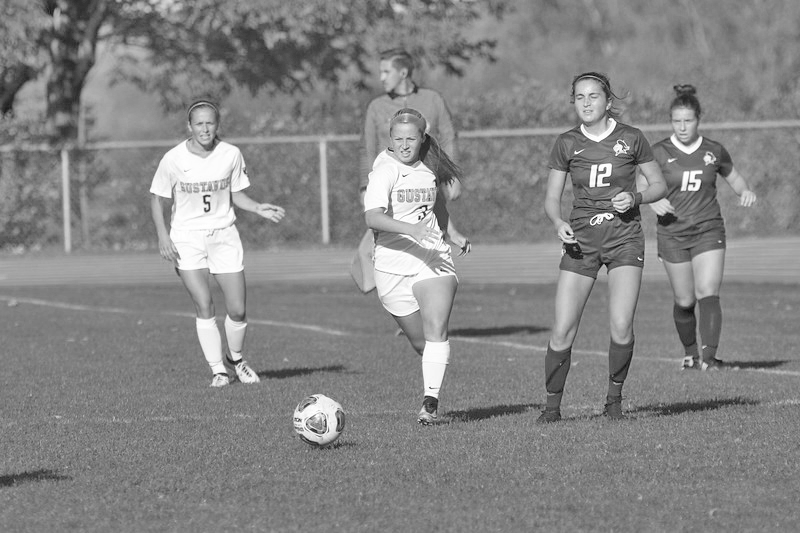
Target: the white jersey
pixel 201 187
pixel 407 193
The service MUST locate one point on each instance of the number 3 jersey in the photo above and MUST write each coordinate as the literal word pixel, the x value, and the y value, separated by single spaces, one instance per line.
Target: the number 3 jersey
pixel 201 187
pixel 406 193
pixel 600 166
pixel 691 176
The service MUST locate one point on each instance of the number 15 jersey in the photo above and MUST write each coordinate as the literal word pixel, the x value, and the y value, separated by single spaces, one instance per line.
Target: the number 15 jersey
pixel 691 176
pixel 600 166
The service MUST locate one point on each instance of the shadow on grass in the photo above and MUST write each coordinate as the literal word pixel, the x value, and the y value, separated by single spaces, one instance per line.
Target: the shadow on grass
pixel 754 365
pixel 482 413
pixel 692 407
pixel 294 372
pixel 11 480
pixel 504 330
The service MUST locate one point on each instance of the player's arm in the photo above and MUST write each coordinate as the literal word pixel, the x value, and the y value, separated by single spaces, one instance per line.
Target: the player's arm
pixel 378 220
pixel 660 207
pixel 738 183
pixel 556 180
pixel 655 190
pixel 269 211
pixel 446 225
pixel 165 245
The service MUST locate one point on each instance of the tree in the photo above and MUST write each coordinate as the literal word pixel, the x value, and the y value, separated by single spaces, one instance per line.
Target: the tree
pixel 178 48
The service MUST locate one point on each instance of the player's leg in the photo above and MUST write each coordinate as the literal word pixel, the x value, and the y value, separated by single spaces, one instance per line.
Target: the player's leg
pixel 435 297
pixel 624 283
pixel 681 279
pixel 196 283
pixel 708 269
pixel 572 293
pixel 235 293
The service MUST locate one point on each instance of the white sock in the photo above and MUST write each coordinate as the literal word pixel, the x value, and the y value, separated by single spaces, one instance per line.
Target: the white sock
pixel 235 331
pixel 435 357
pixel 211 343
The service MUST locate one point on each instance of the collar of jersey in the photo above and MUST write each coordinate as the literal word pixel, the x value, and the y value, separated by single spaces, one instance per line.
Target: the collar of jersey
pixel 692 148
pixel 394 95
pixel 597 138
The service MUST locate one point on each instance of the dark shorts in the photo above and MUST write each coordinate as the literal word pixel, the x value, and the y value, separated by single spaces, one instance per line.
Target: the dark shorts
pixel 682 249
pixel 603 241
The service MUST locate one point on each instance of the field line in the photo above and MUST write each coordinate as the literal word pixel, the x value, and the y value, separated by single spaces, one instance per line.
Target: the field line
pixel 12 301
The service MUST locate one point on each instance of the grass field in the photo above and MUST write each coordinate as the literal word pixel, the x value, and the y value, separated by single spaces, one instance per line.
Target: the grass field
pixel 108 424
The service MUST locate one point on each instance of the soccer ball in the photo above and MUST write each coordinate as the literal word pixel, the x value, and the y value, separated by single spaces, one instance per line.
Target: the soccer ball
pixel 318 420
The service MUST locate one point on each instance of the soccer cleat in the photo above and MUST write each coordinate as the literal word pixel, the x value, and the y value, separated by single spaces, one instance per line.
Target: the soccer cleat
pixel 716 364
pixel 691 362
pixel 220 380
pixel 245 373
pixel 429 414
pixel 613 408
pixel 548 416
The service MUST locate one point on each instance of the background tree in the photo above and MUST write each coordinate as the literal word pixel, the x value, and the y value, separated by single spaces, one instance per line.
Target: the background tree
pixel 205 46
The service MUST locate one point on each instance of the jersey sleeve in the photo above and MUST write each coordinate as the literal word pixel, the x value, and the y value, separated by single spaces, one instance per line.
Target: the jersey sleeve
pixel 162 180
pixel 559 155
pixel 369 144
pixel 239 177
pixel 644 153
pixel 725 163
pixel 379 187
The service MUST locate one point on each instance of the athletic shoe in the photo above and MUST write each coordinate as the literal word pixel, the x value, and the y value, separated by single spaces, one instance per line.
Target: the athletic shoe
pixel 429 414
pixel 548 416
pixel 691 362
pixel 220 380
pixel 613 409
pixel 716 364
pixel 245 373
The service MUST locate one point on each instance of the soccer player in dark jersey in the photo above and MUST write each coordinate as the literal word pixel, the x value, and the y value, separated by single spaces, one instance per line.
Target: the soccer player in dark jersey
pixel 602 156
pixel 691 232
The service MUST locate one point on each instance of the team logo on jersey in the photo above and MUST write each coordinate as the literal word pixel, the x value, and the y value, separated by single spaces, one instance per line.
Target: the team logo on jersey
pixel 621 147
pixel 709 158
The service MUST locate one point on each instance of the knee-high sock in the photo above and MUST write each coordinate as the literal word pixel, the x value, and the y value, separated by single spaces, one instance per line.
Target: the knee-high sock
pixel 235 332
pixel 686 324
pixel 211 343
pixel 556 368
pixel 619 362
pixel 435 357
pixel 710 324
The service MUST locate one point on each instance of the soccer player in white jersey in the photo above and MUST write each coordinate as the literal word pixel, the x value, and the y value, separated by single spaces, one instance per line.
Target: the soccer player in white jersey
pixel 602 157
pixel 205 177
pixel 414 273
pixel 691 231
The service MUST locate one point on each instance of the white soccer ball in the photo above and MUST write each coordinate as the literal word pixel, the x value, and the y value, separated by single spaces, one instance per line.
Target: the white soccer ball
pixel 318 420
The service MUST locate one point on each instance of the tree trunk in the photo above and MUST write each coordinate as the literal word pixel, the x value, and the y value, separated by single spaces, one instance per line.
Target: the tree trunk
pixel 73 43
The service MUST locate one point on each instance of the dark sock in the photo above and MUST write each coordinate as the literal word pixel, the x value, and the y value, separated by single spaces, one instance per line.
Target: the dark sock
pixel 710 324
pixel 619 361
pixel 556 368
pixel 686 324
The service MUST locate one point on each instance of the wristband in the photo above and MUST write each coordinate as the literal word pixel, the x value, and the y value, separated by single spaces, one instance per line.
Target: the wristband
pixel 637 199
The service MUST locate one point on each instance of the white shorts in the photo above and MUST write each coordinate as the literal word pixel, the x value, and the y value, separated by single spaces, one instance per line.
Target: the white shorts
pixel 218 250
pixel 396 291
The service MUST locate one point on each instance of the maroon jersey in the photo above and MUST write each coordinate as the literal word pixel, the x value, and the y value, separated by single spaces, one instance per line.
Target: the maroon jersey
pixel 691 176
pixel 600 167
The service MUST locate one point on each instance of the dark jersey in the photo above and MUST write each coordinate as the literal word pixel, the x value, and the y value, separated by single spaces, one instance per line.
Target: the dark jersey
pixel 600 167
pixel 691 176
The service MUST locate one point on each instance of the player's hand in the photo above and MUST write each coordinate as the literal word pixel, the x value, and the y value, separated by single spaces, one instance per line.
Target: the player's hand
pixel 422 233
pixel 168 250
pixel 623 201
pixel 565 233
pixel 271 212
pixel 461 242
pixel 662 207
pixel 747 199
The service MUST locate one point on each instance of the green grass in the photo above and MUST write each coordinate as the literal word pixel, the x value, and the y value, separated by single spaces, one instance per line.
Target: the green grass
pixel 108 423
